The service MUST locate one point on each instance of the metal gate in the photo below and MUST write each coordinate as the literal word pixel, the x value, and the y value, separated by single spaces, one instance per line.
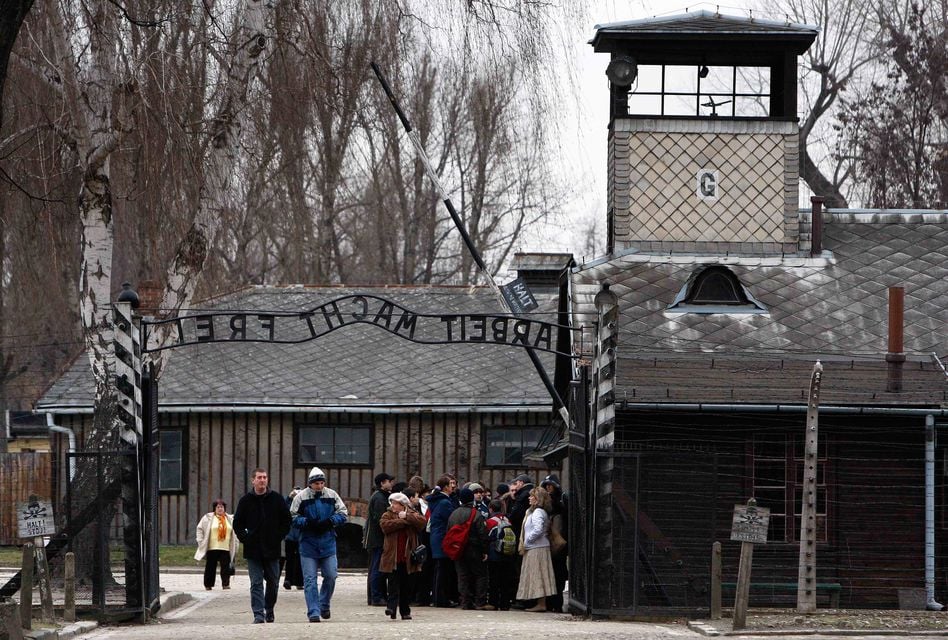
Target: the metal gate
pixel 108 556
pixel 579 500
pixel 645 548
pixel 110 523
pixel 149 493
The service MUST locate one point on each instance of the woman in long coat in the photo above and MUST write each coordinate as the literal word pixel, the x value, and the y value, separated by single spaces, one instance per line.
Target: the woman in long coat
pixel 216 543
pixel 536 573
pixel 401 524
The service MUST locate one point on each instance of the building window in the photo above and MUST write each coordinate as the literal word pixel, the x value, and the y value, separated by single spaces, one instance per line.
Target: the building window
pixel 328 444
pixel 777 483
pixel 507 445
pixel 172 460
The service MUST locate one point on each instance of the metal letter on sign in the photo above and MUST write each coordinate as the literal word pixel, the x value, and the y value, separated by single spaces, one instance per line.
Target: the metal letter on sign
pixel 707 184
pixel 35 518
pixel 750 524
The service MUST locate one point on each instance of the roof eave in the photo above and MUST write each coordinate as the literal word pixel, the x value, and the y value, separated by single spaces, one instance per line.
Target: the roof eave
pixel 537 406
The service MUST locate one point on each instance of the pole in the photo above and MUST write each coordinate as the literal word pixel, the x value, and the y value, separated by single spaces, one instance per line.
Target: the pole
pixel 42 575
pixel 558 403
pixel 69 587
pixel 26 588
pixel 806 581
pixel 716 581
pixel 742 596
pixel 742 592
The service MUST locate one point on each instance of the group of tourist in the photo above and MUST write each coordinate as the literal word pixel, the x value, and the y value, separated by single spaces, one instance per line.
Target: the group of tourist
pixel 439 545
pixel 297 530
pixel 466 547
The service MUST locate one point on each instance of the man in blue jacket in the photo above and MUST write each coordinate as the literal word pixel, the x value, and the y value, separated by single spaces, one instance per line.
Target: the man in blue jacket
pixel 317 511
pixel 441 505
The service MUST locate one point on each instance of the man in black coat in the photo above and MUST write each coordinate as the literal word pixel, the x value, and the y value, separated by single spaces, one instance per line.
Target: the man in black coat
pixel 559 520
pixel 261 521
pixel 374 538
pixel 520 488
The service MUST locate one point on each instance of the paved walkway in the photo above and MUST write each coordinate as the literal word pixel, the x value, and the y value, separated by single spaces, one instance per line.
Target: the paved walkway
pixel 226 614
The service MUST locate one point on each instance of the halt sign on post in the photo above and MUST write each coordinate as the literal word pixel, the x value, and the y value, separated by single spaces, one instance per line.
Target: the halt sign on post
pixel 35 518
pixel 749 527
pixel 750 524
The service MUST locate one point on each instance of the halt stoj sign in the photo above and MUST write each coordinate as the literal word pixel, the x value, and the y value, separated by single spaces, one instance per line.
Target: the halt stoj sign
pixel 35 518
pixel 750 524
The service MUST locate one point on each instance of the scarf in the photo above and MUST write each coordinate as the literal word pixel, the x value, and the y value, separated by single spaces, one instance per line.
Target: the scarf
pixel 221 528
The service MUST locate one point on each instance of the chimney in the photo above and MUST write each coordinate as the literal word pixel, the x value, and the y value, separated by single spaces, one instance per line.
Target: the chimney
pixel 149 292
pixel 816 225
pixel 541 271
pixel 895 357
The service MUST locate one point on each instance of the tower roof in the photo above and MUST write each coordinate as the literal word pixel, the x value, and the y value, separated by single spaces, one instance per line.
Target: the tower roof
pixel 703 27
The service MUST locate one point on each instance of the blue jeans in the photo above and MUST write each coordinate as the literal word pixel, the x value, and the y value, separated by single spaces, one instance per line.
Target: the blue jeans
pixel 317 600
pixel 376 577
pixel 263 570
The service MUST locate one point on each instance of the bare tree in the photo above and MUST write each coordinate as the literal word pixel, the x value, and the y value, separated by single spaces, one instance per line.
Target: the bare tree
pixel 845 48
pixel 12 14
pixel 154 114
pixel 38 248
pixel 248 43
pixel 897 129
pixel 95 57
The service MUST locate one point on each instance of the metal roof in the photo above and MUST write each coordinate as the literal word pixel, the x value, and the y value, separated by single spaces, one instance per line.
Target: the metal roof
pixel 707 21
pixel 833 307
pixel 704 26
pixel 358 367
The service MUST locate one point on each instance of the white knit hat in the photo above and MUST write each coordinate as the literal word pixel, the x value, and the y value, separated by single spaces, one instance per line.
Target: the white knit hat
pixel 399 497
pixel 315 474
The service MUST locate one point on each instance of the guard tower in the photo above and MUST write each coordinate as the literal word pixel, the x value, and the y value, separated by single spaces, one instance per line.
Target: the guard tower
pixel 703 134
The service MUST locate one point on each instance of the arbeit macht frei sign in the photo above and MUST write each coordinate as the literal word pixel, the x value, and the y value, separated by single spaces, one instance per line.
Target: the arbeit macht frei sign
pixel 302 326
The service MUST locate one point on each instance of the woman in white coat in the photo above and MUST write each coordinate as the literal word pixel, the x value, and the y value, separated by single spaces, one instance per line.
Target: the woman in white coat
pixel 536 573
pixel 216 544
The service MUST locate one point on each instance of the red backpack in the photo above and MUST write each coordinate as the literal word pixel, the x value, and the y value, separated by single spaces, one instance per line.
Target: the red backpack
pixel 456 538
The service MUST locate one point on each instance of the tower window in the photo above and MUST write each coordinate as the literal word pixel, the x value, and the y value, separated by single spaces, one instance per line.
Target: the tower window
pixel 700 90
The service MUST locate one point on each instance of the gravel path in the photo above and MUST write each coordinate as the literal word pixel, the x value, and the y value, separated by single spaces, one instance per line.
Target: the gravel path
pixel 226 614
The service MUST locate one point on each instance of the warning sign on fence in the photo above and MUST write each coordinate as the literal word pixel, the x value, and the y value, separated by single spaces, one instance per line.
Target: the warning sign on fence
pixel 36 518
pixel 750 524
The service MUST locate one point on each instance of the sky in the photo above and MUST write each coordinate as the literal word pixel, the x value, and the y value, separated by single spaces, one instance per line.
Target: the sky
pixel 584 126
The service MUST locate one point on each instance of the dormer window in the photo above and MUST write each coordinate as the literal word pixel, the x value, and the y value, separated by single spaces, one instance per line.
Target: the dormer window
pixel 716 285
pixel 715 290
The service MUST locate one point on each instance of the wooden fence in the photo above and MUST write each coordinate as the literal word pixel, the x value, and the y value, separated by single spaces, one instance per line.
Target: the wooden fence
pixel 22 475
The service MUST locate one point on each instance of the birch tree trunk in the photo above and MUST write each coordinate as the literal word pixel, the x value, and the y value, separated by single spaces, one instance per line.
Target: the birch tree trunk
pixel 220 163
pixel 96 138
pixel 86 52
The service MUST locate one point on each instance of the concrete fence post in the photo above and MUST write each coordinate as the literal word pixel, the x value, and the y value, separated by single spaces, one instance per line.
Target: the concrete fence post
pixel 716 581
pixel 26 587
pixel 69 586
